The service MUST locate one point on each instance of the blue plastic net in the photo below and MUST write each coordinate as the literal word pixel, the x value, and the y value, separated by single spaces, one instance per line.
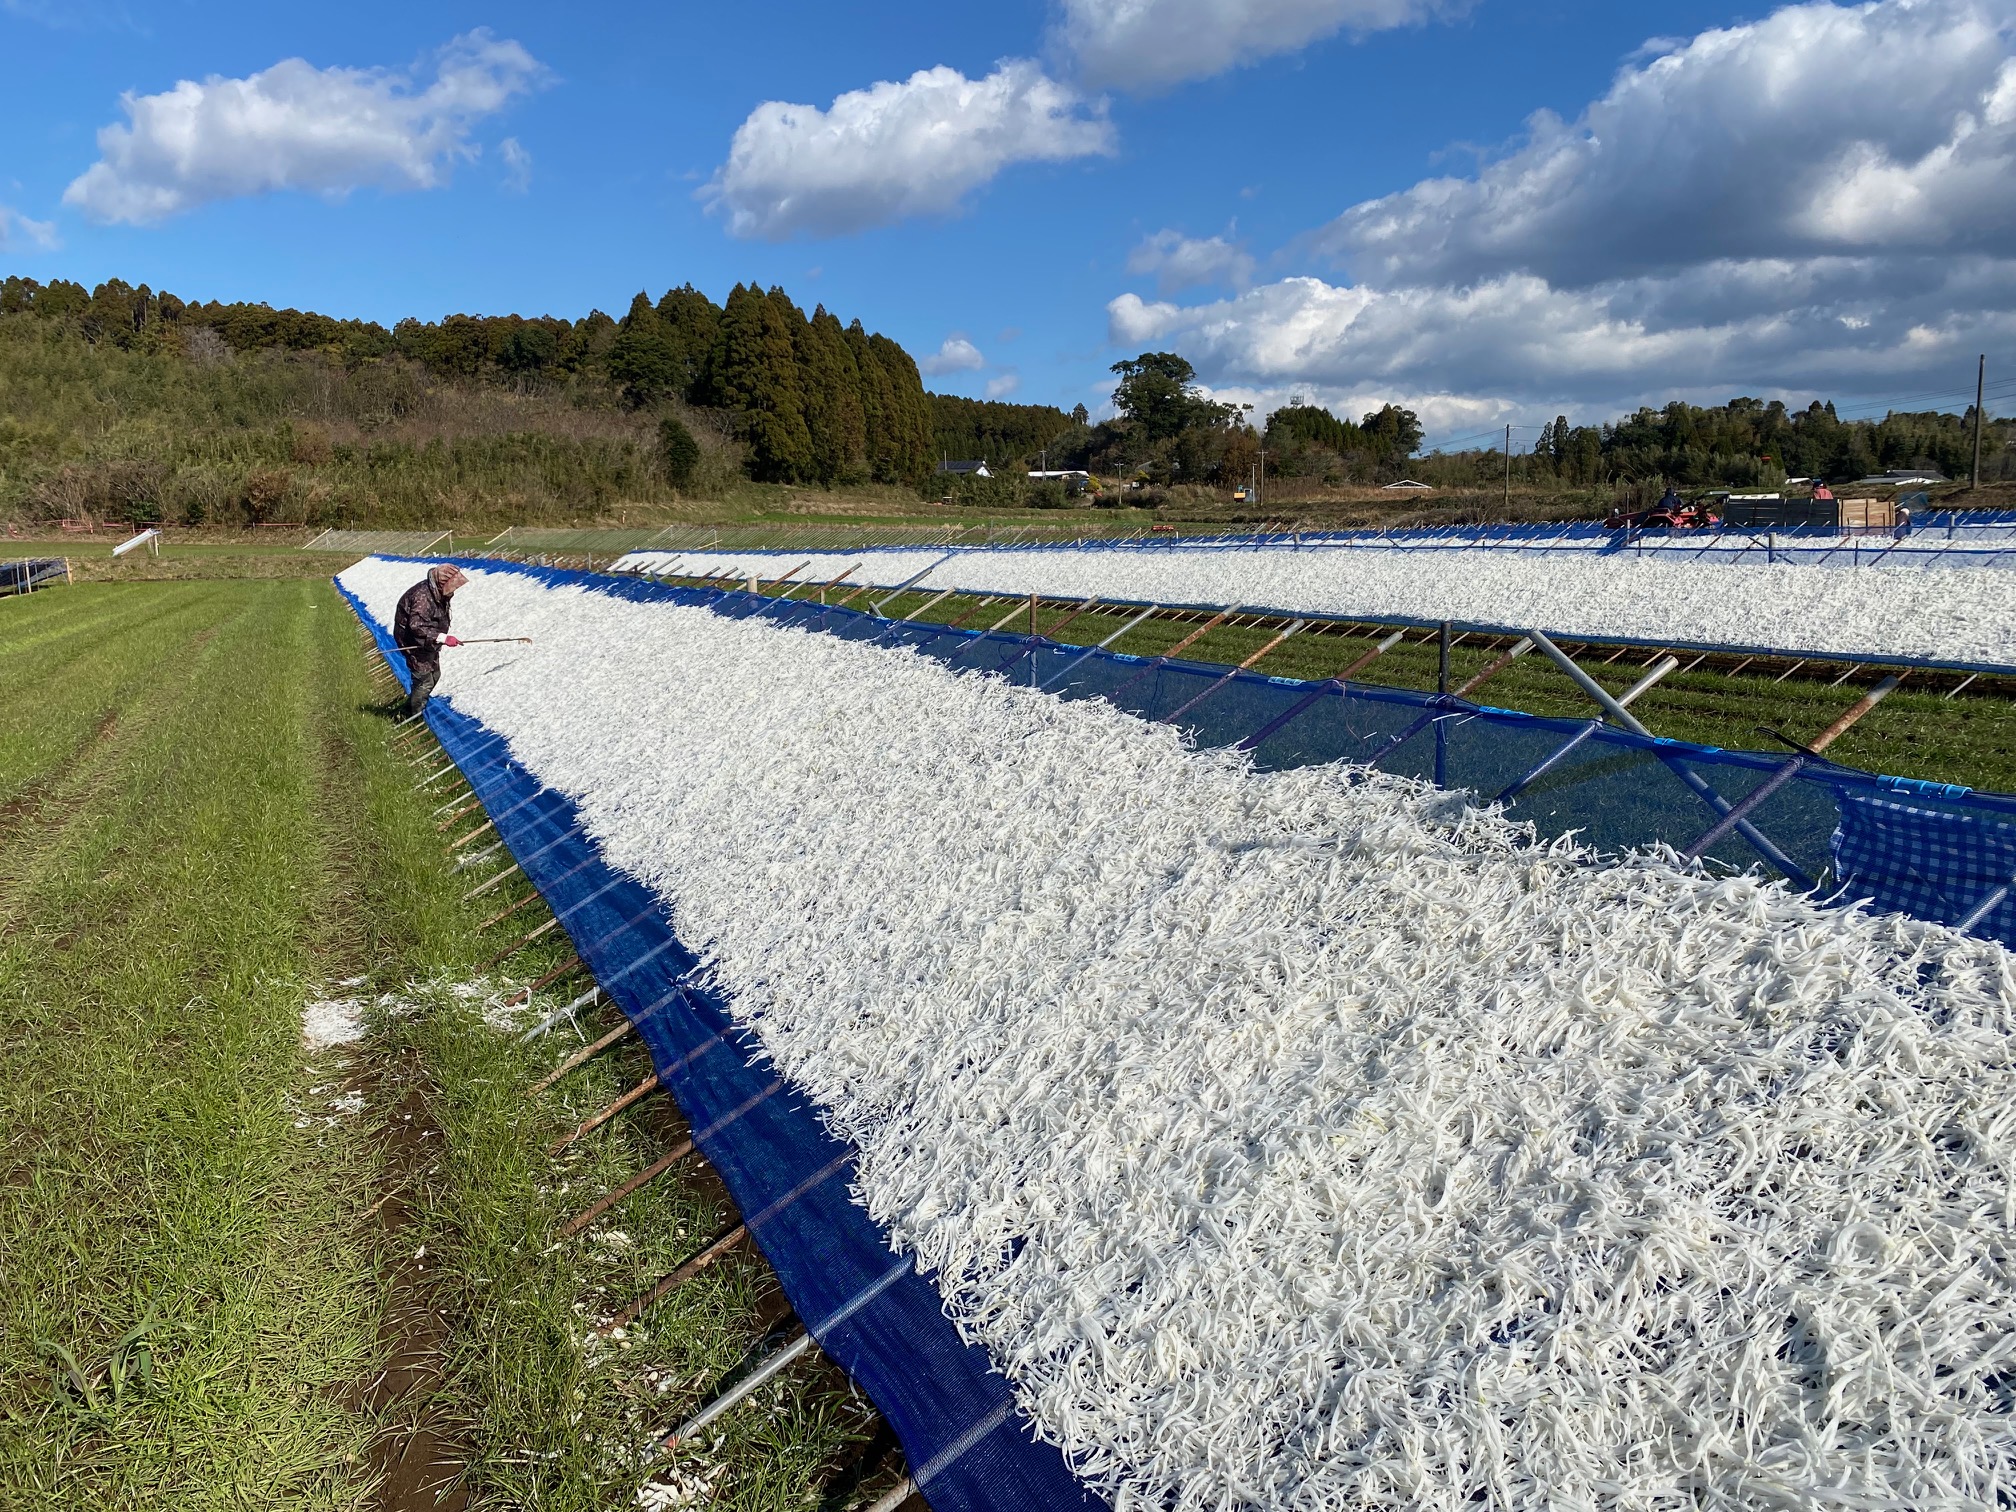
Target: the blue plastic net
pixel 871 1313
pixel 1925 849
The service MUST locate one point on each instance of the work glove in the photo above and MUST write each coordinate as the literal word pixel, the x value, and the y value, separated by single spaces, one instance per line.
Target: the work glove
pixel 449 640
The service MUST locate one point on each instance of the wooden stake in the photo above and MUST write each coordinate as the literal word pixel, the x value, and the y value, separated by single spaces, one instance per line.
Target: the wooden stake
pixel 456 845
pixel 643 1178
pixel 642 1090
pixel 582 1056
pixel 483 887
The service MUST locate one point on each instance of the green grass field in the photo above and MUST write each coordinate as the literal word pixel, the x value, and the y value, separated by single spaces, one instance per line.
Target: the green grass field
pixel 239 1274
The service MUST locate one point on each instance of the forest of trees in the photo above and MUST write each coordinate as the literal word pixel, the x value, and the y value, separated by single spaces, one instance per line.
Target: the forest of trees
pixel 1746 443
pixel 992 431
pixel 811 401
pixel 785 397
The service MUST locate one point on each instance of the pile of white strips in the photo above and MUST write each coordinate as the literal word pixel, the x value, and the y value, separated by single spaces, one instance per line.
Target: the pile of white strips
pixel 1944 613
pixel 1304 1140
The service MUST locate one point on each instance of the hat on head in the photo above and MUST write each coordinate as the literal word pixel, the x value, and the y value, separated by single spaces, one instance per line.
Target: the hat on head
pixel 447 575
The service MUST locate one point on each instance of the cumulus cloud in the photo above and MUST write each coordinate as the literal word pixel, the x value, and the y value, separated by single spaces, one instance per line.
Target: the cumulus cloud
pixel 1180 262
pixel 1821 129
pixel 955 355
pixel 20 234
pixel 1151 44
pixel 1694 232
pixel 326 131
pixel 1003 386
pixel 893 150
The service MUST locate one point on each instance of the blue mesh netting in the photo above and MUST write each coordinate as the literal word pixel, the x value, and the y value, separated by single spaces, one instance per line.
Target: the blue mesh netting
pixel 871 1313
pixel 1921 848
pixel 1615 789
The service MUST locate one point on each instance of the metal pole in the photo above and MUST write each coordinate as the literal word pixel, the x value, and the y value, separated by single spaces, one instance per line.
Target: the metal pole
pixel 1658 671
pixel 741 1391
pixel 1147 614
pixel 1694 780
pixel 1980 393
pixel 1792 768
pixel 1442 652
pixel 1986 906
pixel 1508 470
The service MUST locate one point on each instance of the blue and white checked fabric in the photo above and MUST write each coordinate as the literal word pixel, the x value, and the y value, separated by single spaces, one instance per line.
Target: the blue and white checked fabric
pixel 1934 863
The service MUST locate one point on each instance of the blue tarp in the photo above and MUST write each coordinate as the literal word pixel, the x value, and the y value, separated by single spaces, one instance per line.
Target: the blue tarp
pixel 871 1313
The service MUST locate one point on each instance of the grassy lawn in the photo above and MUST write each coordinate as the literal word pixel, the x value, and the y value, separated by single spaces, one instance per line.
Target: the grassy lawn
pixel 243 1274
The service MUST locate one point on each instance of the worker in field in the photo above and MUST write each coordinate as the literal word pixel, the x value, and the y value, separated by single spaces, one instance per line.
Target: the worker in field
pixel 420 629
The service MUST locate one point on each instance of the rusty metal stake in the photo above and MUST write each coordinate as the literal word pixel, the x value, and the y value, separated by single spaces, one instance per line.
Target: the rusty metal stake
pixel 582 1056
pixel 570 964
pixel 520 943
pixel 643 1178
pixel 643 1089
pixel 1214 686
pixel 687 1270
pixel 462 806
pixel 503 914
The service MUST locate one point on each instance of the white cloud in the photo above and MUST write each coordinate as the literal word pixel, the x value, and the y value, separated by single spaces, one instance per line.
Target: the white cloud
pixel 1181 262
pixel 326 131
pixel 517 165
pixel 1736 215
pixel 1003 386
pixel 892 150
pixel 955 355
pixel 20 234
pixel 1822 129
pixel 1151 44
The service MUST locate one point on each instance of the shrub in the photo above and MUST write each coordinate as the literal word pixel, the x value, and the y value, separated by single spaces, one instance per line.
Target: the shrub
pixel 678 452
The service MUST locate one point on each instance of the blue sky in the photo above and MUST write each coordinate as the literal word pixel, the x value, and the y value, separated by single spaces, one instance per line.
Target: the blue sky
pixel 1494 211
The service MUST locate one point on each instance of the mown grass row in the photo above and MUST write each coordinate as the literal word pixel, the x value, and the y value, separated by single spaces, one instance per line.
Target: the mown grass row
pixel 187 1296
pixel 554 1416
pixel 207 1262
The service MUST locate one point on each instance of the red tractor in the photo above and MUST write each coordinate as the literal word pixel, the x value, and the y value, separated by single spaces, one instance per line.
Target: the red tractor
pixel 1670 513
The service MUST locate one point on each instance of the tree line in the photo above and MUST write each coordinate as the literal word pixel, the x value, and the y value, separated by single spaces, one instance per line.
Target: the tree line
pixel 811 400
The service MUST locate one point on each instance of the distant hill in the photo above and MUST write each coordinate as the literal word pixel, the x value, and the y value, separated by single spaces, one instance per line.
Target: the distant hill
pixel 121 402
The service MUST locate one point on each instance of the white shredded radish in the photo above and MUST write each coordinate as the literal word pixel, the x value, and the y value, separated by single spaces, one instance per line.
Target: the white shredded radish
pixel 1941 613
pixel 1307 1139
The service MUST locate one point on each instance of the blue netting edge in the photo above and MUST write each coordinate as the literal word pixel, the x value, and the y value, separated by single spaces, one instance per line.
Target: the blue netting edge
pixel 952 1412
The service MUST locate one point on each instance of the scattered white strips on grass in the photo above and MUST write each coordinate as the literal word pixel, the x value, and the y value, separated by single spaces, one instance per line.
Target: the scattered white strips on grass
pixel 332 1021
pixel 1304 1140
pixel 1953 614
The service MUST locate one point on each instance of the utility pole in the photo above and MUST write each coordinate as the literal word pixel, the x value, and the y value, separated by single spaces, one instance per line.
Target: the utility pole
pixel 1261 496
pixel 1980 391
pixel 1508 472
